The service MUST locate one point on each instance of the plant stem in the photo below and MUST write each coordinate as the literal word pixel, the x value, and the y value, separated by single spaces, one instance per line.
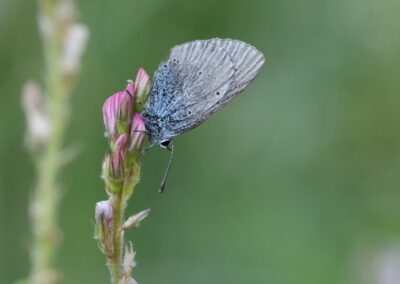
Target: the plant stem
pixel 44 206
pixel 119 202
pixel 117 238
pixel 125 130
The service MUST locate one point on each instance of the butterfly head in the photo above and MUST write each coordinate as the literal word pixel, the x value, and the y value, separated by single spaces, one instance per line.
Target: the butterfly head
pixel 166 144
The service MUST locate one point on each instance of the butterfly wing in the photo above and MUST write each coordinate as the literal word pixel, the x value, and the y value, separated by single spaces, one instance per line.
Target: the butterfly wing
pixel 197 79
pixel 247 61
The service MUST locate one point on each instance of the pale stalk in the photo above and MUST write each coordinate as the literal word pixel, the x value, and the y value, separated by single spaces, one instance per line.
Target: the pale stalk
pixel 44 206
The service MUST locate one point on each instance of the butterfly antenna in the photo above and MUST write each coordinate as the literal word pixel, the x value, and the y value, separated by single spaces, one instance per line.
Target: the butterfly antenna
pixel 171 157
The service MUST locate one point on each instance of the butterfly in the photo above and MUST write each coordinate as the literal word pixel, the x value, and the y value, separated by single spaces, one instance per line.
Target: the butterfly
pixel 197 79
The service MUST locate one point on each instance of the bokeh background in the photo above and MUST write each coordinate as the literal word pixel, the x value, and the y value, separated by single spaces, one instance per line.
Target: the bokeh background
pixel 296 181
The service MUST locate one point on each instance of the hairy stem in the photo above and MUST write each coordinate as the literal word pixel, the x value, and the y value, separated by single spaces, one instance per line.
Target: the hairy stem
pixel 119 202
pixel 117 238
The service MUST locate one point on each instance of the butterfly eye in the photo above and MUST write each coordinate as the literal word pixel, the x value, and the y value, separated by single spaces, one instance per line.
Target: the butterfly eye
pixel 165 143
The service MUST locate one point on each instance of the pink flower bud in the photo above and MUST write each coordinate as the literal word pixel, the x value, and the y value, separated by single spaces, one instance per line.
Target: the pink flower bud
pixel 130 88
pixel 124 113
pixel 117 113
pixel 103 226
pixel 142 88
pixel 109 113
pixel 116 165
pixel 113 171
pixel 138 131
pixel 121 143
pixel 104 212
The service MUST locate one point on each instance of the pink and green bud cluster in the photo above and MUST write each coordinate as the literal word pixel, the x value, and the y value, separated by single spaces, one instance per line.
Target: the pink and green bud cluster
pixel 125 130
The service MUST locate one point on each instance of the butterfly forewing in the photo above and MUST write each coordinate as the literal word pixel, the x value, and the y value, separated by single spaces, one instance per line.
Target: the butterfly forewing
pixel 197 79
pixel 205 71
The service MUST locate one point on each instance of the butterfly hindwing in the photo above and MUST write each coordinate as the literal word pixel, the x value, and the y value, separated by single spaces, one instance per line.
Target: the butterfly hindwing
pixel 198 78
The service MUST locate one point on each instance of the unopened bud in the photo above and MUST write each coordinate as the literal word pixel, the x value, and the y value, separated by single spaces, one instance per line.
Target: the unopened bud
pixel 113 172
pixel 116 165
pixel 104 212
pixel 103 226
pixel 110 113
pixel 135 220
pixel 74 44
pixel 130 88
pixel 117 114
pixel 142 89
pixel 38 123
pixel 138 131
pixel 124 113
pixel 121 143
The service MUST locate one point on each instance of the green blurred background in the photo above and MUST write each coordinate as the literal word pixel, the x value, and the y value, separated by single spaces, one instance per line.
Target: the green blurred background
pixel 297 181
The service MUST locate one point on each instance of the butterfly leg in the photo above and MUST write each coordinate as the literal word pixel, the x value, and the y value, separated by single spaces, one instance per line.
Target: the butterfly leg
pixel 146 149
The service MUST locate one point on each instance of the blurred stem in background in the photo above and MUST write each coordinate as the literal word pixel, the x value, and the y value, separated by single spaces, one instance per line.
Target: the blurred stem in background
pixel 47 112
pixel 125 131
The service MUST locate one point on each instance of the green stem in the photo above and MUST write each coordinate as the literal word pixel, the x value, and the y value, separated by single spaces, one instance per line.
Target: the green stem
pixel 119 202
pixel 44 209
pixel 44 206
pixel 117 238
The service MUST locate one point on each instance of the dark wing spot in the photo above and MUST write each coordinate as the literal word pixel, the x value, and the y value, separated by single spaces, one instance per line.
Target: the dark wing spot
pixel 217 93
